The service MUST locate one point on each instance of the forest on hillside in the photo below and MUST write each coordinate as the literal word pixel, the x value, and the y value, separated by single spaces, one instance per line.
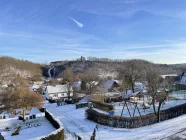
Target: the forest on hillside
pixel 110 67
pixel 104 67
pixel 11 67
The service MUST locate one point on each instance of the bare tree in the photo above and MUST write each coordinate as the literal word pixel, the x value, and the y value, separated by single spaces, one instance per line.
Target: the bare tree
pixel 68 78
pixel 155 81
pixel 132 71
pixel 90 77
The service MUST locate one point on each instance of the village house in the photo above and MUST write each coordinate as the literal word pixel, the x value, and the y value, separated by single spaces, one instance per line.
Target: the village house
pixel 181 82
pixel 57 92
pixel 77 85
pixel 183 79
pixel 108 85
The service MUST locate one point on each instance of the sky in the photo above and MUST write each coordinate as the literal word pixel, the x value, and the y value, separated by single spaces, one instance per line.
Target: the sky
pixel 52 30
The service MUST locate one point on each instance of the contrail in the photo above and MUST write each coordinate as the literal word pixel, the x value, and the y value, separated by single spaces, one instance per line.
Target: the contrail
pixel 78 23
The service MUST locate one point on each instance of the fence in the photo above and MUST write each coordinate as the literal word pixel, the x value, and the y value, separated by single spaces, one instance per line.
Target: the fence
pixel 134 122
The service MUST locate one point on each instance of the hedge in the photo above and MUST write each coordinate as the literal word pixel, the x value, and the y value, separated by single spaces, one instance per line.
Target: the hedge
pixel 52 120
pixel 57 134
pixel 134 122
pixel 102 106
pixel 52 101
pixel 42 109
pixel 81 105
pixel 1 137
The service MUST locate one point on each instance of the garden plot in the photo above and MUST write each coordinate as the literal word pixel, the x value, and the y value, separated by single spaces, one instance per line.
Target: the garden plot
pixel 119 106
pixel 29 130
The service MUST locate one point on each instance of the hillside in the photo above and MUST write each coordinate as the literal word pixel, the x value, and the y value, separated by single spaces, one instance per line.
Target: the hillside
pixel 106 67
pixel 10 67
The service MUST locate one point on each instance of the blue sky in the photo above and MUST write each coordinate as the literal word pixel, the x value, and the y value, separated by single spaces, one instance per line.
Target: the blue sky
pixel 49 30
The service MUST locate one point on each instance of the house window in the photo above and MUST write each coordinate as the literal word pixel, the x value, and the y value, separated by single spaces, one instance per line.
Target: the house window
pixel 55 95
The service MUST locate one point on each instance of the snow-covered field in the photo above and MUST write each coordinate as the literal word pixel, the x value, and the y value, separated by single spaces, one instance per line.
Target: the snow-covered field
pixel 74 121
pixel 26 133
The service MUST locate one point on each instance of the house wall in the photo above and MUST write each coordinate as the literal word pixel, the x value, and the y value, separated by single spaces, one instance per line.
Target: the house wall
pixel 58 95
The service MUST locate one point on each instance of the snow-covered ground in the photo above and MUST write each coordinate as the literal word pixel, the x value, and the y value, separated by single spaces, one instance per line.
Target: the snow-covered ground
pixel 118 109
pixel 74 121
pixel 180 94
pixel 26 133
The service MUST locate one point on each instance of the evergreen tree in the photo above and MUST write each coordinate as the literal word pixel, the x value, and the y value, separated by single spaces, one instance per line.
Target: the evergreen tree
pixel 83 85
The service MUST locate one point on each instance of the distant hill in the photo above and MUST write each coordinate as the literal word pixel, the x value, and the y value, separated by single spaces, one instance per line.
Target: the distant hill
pixel 10 67
pixel 104 67
pixel 108 67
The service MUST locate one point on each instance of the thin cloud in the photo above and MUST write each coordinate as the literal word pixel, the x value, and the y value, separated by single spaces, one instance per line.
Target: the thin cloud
pixel 78 23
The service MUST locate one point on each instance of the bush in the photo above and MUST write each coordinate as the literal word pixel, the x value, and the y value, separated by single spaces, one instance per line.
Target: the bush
pixel 60 134
pixel 51 101
pixel 102 106
pixel 42 109
pixel 81 105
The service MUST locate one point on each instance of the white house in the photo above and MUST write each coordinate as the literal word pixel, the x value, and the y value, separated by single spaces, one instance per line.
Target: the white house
pixel 168 75
pixel 57 92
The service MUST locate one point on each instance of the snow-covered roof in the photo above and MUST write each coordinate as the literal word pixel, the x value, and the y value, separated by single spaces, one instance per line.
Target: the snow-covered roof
pixel 59 79
pixel 139 84
pixel 35 86
pixel 169 75
pixel 57 89
pixel 93 82
pixel 108 84
pixel 112 94
pixel 38 82
pixel 130 94
pixel 183 80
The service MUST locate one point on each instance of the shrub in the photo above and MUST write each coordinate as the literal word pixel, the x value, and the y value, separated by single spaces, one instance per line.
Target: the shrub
pixel 58 136
pixel 81 105
pixel 102 106
pixel 42 109
pixel 60 133
pixel 51 101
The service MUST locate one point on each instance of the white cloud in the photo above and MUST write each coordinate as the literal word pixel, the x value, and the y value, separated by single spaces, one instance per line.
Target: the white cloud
pixel 77 22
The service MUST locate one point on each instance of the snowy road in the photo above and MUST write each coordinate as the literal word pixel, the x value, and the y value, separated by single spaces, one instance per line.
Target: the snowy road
pixel 75 122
